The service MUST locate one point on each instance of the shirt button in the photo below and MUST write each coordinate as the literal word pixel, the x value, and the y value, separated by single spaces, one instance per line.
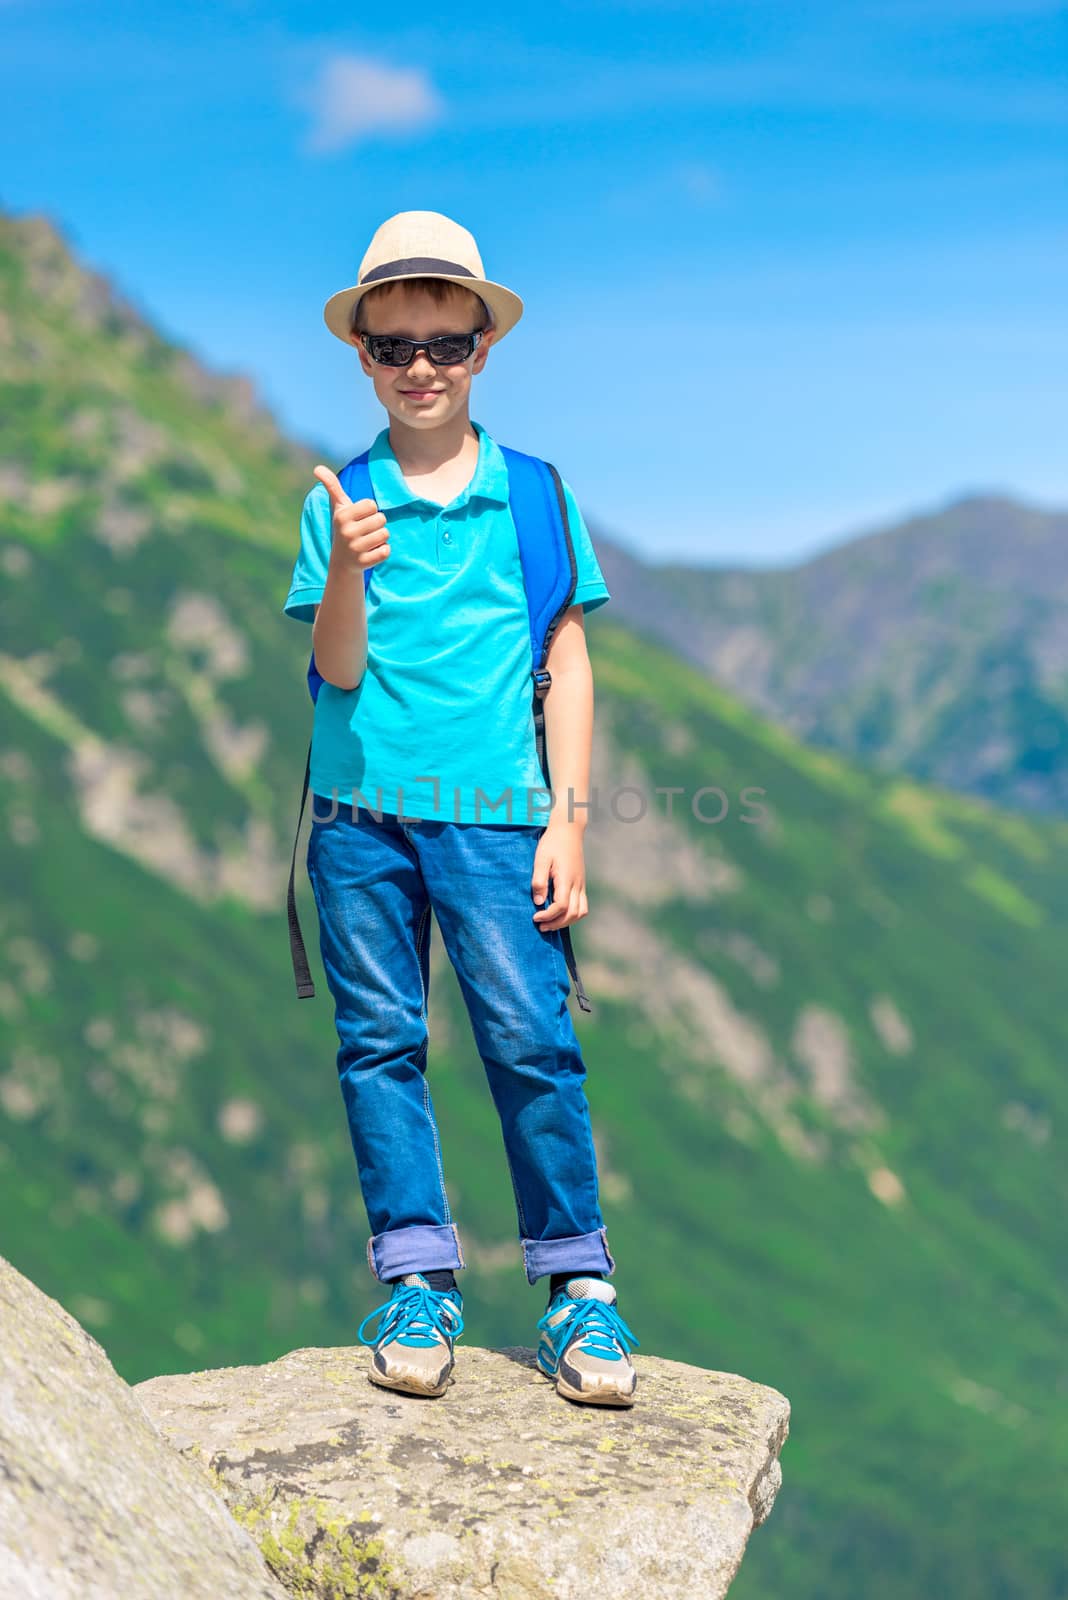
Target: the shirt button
pixel 447 537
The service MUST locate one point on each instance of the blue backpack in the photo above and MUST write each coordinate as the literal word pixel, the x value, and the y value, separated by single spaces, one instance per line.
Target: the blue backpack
pixel 550 574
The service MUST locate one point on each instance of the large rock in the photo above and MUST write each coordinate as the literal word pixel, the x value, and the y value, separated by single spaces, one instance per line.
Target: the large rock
pixel 94 1504
pixel 498 1487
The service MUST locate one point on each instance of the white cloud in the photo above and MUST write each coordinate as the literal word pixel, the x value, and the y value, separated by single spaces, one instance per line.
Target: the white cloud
pixel 354 96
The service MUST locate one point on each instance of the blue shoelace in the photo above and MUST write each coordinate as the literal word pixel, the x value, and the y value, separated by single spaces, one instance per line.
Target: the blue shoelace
pixel 597 1326
pixel 418 1312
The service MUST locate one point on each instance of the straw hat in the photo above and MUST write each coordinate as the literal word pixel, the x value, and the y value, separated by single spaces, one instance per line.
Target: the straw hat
pixel 423 244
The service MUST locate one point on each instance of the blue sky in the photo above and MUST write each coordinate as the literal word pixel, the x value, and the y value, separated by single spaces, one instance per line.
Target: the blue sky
pixel 850 219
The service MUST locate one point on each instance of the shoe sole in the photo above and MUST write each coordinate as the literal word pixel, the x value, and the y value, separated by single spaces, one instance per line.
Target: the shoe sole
pixel 409 1385
pixel 593 1397
pixel 589 1397
pixel 406 1384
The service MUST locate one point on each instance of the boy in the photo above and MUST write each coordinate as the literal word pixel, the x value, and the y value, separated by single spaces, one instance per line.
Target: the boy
pixel 423 713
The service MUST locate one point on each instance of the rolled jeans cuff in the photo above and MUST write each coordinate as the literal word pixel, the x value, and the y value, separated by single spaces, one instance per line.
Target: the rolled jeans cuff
pixel 582 1252
pixel 419 1248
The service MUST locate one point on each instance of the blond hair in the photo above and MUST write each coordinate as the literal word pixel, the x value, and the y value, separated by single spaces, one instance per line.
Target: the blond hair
pixel 440 290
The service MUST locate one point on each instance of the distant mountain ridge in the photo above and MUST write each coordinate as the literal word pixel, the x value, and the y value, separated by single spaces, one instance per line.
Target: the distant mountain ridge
pixel 937 646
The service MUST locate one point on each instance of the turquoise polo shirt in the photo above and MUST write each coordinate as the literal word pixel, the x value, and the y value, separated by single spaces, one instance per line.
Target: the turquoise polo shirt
pixel 441 725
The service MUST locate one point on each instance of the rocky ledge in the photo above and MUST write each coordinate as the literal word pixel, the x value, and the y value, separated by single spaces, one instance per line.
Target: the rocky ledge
pixel 336 1487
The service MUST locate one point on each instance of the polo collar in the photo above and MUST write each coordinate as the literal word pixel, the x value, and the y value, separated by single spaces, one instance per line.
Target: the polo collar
pixel 490 481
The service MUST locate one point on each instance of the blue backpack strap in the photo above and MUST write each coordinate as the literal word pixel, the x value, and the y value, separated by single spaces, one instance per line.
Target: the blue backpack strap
pixel 355 479
pixel 550 576
pixel 547 556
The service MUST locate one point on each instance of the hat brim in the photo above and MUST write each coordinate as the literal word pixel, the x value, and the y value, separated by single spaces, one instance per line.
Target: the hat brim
pixel 505 306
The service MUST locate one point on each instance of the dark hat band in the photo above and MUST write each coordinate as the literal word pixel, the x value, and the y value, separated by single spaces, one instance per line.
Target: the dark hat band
pixel 393 269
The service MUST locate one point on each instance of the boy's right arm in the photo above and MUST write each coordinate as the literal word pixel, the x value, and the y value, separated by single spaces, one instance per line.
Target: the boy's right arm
pixel 339 632
pixel 339 622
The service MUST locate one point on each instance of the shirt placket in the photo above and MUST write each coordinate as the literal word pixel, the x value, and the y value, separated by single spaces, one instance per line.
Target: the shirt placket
pixel 448 540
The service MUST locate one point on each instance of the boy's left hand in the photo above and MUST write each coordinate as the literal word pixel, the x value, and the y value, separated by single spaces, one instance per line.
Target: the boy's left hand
pixel 560 855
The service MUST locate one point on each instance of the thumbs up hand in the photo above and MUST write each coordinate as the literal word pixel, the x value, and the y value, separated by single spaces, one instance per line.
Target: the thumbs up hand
pixel 359 533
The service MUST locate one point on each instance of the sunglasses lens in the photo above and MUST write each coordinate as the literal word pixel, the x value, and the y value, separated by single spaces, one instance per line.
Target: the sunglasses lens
pixel 390 352
pixel 446 351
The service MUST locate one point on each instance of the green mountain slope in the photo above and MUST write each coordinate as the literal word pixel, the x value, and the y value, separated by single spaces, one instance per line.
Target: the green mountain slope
pixel 824 1057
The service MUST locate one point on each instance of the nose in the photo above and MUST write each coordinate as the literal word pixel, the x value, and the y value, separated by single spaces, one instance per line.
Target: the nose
pixel 421 365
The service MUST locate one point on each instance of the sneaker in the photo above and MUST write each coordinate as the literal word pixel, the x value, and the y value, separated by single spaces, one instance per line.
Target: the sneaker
pixel 584 1344
pixel 413 1349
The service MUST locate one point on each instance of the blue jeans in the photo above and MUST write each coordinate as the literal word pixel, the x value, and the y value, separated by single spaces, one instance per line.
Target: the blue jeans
pixel 375 883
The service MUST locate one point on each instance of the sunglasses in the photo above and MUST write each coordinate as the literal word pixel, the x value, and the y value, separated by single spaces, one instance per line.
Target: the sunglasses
pixel 445 350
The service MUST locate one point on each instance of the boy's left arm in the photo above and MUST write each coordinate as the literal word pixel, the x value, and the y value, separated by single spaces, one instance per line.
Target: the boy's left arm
pixel 568 708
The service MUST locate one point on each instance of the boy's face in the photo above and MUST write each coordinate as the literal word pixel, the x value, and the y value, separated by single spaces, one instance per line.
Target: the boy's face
pixel 422 395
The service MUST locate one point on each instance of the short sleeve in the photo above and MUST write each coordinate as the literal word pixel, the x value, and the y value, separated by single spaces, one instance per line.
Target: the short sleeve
pixel 309 573
pixel 590 590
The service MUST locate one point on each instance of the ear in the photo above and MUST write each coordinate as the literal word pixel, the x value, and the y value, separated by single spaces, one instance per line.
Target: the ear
pixel 483 349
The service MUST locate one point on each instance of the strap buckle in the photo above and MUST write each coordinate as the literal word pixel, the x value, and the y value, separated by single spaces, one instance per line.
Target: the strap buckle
pixel 542 679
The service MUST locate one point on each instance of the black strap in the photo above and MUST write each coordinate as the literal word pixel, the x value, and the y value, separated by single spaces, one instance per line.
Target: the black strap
pixel 301 969
pixel 569 957
pixel 565 933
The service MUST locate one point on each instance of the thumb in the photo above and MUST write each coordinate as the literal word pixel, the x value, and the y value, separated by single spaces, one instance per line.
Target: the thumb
pixel 332 486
